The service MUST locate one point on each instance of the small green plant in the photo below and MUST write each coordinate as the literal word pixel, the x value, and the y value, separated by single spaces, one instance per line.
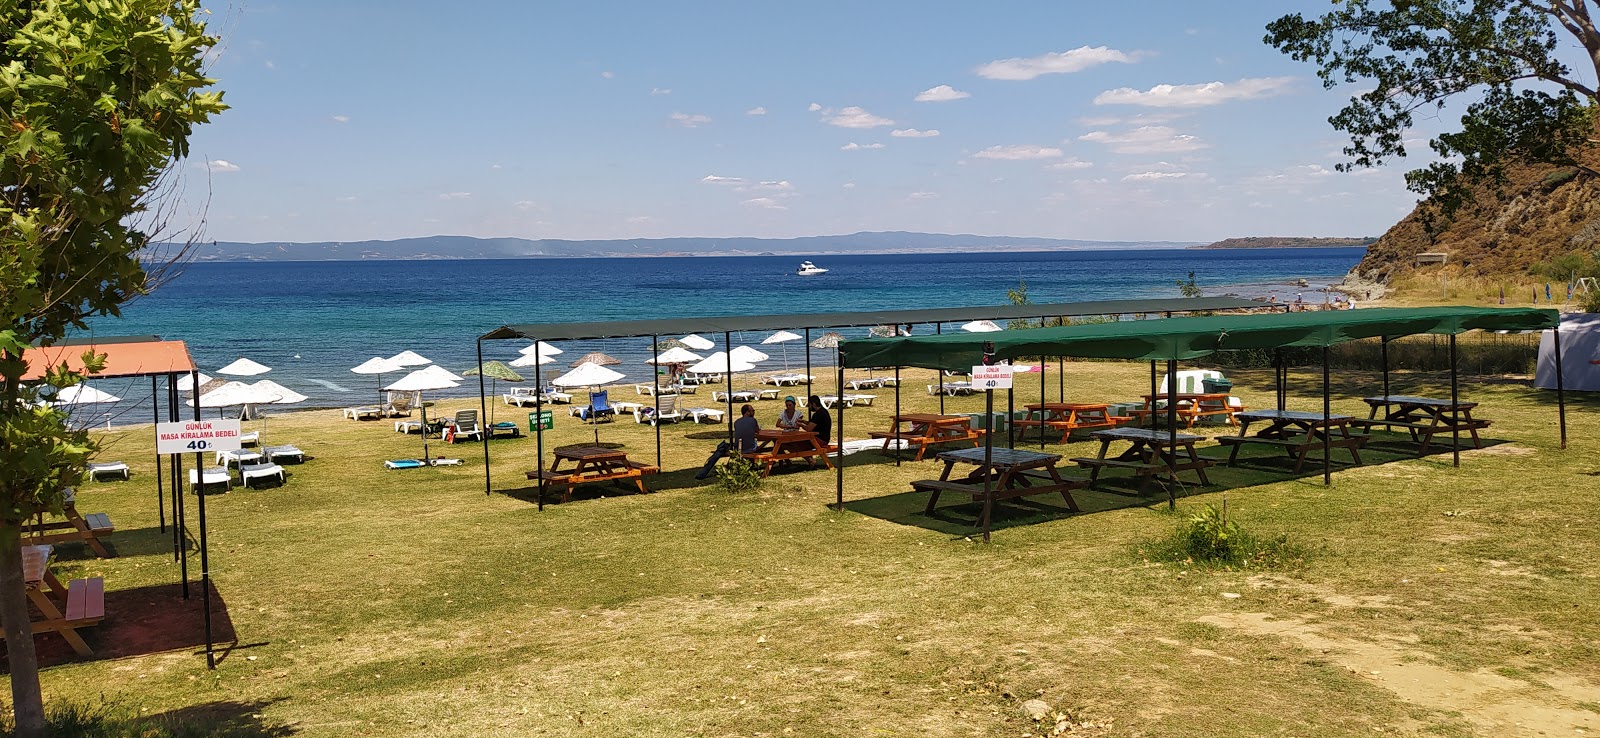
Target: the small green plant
pixel 737 475
pixel 1589 301
pixel 1208 538
pixel 1190 287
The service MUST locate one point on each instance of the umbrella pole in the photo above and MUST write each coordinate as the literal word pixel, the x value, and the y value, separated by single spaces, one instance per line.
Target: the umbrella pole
pixel 205 559
pixel 655 351
pixel 484 430
pixel 808 361
pixel 938 378
pixel 727 364
pixel 538 423
pixel 423 406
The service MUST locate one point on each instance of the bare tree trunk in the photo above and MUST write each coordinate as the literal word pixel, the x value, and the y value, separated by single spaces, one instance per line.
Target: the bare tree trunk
pixel 26 699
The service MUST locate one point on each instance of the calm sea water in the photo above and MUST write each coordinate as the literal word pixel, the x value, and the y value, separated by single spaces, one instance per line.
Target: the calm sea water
pixel 312 321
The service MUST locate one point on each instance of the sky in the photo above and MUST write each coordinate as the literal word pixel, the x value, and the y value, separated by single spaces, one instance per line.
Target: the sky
pixel 1152 121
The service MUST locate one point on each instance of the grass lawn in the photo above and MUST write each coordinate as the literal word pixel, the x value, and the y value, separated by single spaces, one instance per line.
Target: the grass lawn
pixel 1435 601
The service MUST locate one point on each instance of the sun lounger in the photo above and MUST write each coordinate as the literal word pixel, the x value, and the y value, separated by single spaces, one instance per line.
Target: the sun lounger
pixel 702 414
pixel 250 439
pixel 407 426
pixel 786 380
pixel 365 411
pixel 290 451
pixel 268 470
pixel 951 388
pixel 112 468
pixel 860 399
pixel 466 426
pixel 241 456
pixel 738 396
pixel 213 475
pixel 669 412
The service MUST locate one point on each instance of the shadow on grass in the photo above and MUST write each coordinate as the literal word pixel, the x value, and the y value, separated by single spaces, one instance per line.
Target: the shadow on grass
pixel 224 720
pixel 148 620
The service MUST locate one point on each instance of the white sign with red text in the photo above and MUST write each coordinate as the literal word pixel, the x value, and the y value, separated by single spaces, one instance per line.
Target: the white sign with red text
pixel 993 377
pixel 197 436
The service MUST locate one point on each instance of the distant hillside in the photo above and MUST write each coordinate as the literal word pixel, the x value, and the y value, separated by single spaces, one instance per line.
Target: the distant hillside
pixel 1542 212
pixel 1285 242
pixel 465 247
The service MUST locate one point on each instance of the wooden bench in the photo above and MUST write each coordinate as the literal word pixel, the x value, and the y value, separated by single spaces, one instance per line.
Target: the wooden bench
pixel 1295 447
pixel 1143 470
pixel 86 606
pixel 1066 427
pixel 87 528
pixel 922 441
pixel 567 482
pixel 1426 431
pixel 769 458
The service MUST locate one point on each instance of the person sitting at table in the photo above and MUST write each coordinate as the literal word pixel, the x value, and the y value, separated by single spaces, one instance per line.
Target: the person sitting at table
pixel 820 422
pixel 744 429
pixel 790 417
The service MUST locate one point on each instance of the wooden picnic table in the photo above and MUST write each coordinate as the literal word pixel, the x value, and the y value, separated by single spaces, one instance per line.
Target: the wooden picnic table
pixel 1153 452
pixel 81 602
pixel 774 445
pixel 1067 417
pixel 1423 417
pixel 1192 406
pixel 591 464
pixel 928 429
pixel 77 527
pixel 1010 472
pixel 1297 433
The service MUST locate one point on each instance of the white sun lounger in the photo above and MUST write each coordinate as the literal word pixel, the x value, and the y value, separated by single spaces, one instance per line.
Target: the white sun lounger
pixel 702 414
pixel 268 470
pixel 114 467
pixel 213 475
pixel 274 453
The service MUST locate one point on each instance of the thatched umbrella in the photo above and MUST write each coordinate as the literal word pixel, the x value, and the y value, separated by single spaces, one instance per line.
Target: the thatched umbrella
pixel 597 358
pixel 495 370
pixel 667 344
pixel 827 340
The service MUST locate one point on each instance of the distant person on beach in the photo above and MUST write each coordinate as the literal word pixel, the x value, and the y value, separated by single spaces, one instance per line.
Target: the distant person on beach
pixel 820 423
pixel 790 417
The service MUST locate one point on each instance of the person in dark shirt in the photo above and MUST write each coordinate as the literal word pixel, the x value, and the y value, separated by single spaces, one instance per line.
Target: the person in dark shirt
pixel 820 422
pixel 744 429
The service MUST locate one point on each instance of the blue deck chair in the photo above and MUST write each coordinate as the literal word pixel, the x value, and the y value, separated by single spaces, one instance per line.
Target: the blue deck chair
pixel 599 407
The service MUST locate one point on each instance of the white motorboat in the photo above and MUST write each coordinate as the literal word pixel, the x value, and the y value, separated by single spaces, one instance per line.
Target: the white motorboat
pixel 807 269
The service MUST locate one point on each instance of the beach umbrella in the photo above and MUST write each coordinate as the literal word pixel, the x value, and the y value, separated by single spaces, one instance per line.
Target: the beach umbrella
pixel 236 393
pixel 783 337
pixel 697 343
pixel 410 358
pixel 422 381
pixel 667 344
pixel 748 355
pixel 244 368
pixel 438 371
pixel 495 370
pixel 527 360
pixel 83 394
pixel 981 326
pixel 544 349
pixel 888 331
pixel 379 366
pixel 595 357
pixel 675 355
pixel 589 375
pixel 285 395
pixel 827 340
pixel 186 382
pixel 719 363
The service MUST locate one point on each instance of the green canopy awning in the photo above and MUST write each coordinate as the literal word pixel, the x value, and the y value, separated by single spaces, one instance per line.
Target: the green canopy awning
pixel 1187 338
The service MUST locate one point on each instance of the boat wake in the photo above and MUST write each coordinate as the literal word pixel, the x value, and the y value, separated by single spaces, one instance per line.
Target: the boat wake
pixel 329 385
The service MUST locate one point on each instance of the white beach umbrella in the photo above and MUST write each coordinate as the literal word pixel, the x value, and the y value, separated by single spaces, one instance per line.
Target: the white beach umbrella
pixel 83 394
pixel 675 355
pixel 422 381
pixel 718 363
pixel 747 354
pixel 435 370
pixel 783 337
pixel 530 360
pixel 981 326
pixel 545 349
pixel 237 393
pixel 186 382
pixel 244 368
pixel 587 375
pixel 379 366
pixel 285 395
pixel 410 358
pixel 697 343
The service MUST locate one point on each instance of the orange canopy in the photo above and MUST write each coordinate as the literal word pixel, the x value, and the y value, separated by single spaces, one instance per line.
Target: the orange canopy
pixel 125 357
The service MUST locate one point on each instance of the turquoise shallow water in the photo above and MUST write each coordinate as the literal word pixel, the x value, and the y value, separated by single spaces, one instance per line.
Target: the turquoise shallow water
pixel 312 321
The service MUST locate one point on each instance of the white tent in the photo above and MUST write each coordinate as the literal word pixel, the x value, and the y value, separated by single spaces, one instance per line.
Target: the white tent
pixel 587 374
pixel 718 363
pixel 697 343
pixel 981 326
pixel 545 349
pixel 410 358
pixel 422 381
pixel 244 368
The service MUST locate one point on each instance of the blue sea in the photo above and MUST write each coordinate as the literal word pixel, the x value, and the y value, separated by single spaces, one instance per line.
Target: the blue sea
pixel 312 321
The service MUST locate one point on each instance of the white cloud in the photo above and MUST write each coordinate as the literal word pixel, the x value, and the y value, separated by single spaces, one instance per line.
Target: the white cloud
pixel 221 165
pixel 608 75
pixel 496 166
pixel 813 107
pixel 658 91
pixel 1154 176
pixel 916 196
pixel 1146 140
pixel 1019 152
pixel 454 195
pixel 269 64
pixel 347 198
pixel 341 119
pixel 914 133
pixel 716 179
pixel 689 121
pixel 848 185
pixel 1056 62
pixel 781 185
pixel 765 203
pixel 525 205
pixel 942 93
pixel 638 219
pixel 1189 96
pixel 854 117
pixel 757 110
pixel 853 146
pixel 1071 164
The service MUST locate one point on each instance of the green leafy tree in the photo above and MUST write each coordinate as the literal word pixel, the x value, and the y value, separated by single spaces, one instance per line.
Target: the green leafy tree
pixel 1502 61
pixel 97 100
pixel 1190 287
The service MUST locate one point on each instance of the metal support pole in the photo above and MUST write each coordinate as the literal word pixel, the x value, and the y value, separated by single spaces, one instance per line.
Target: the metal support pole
pixel 808 361
pixel 1327 457
pixel 1042 400
pixel 938 379
pixel 1455 407
pixel 1384 354
pixel 538 424
pixel 655 420
pixel 1011 414
pixel 1561 386
pixel 1153 395
pixel 727 355
pixel 838 466
pixel 485 430
pixel 1172 434
pixel 205 558
pixel 988 447
pixel 896 410
pixel 161 487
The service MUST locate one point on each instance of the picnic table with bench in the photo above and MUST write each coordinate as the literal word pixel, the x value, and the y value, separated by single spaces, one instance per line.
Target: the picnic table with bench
pixel 591 464
pixel 1297 433
pixel 64 609
pixel 1067 417
pixel 1011 473
pixel 1153 452
pixel 1423 417
pixel 77 527
pixel 928 429
pixel 1192 406
pixel 774 445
